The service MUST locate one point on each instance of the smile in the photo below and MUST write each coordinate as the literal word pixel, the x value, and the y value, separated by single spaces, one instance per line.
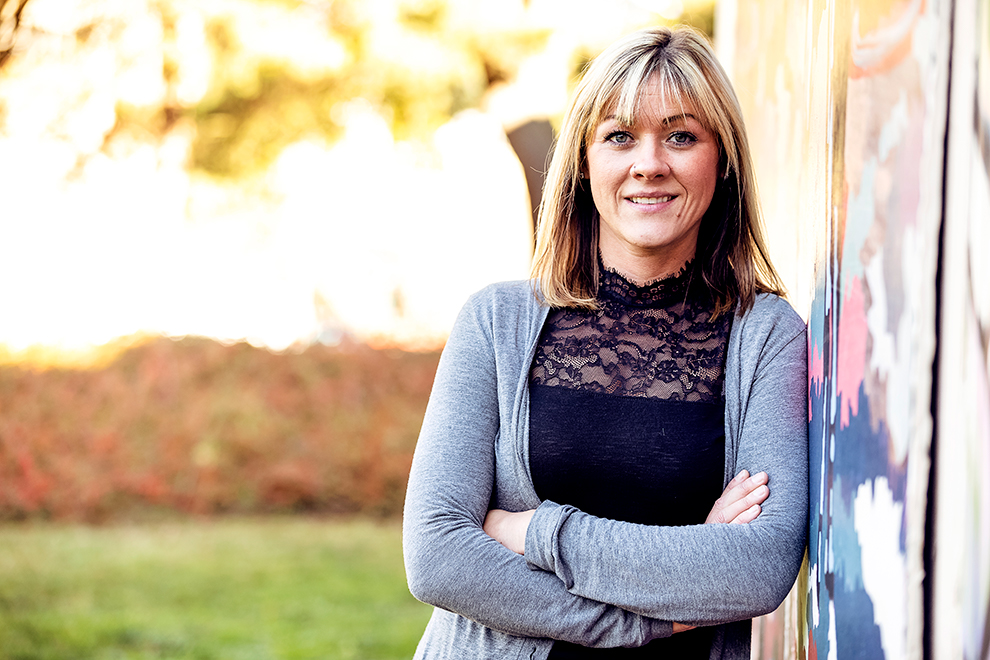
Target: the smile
pixel 651 200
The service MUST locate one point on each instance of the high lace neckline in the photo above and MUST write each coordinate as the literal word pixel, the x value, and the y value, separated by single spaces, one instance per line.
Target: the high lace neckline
pixel 658 340
pixel 615 287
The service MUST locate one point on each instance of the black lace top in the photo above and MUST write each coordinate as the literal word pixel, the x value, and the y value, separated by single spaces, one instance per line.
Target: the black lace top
pixel 627 417
pixel 656 341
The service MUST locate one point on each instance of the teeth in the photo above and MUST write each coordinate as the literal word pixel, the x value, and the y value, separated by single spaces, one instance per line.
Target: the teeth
pixel 651 200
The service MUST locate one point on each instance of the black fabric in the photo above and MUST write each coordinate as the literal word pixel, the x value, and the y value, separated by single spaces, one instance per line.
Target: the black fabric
pixel 656 341
pixel 647 461
pixel 688 645
pixel 627 417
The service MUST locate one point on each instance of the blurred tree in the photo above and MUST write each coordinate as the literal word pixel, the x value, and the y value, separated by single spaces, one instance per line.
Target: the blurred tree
pixel 10 21
pixel 417 70
pixel 246 78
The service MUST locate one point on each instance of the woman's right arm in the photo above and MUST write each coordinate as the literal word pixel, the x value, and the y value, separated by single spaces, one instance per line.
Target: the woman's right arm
pixel 450 561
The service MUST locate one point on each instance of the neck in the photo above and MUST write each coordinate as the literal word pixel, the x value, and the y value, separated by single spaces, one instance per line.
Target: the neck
pixel 642 271
pixel 646 262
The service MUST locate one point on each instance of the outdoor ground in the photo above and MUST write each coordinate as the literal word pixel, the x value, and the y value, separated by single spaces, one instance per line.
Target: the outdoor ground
pixel 280 588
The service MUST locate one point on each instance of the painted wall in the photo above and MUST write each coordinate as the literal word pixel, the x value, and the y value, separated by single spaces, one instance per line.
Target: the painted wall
pixel 960 609
pixel 848 107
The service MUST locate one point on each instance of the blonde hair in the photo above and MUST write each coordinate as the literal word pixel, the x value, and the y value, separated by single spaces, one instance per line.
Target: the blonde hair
pixel 731 252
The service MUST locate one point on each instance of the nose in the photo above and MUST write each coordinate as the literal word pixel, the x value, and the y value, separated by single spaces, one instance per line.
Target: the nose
pixel 650 162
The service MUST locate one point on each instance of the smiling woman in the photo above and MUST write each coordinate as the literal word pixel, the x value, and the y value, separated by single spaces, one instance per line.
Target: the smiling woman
pixel 652 182
pixel 613 462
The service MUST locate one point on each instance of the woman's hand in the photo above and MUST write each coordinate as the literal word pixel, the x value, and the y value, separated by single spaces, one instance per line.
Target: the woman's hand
pixel 740 501
pixel 509 528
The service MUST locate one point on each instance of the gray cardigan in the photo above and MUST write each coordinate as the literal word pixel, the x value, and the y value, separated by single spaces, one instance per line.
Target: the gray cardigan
pixel 584 579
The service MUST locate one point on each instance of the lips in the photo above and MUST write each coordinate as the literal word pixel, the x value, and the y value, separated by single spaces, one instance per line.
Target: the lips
pixel 651 200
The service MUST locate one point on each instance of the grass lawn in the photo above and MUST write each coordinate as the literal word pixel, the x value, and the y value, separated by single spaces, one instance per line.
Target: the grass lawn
pixel 231 589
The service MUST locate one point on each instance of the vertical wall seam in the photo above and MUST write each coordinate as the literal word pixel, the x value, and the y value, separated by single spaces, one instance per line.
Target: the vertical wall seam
pixel 928 547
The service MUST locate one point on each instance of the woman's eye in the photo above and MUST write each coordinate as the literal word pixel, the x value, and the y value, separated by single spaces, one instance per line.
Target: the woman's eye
pixel 618 137
pixel 682 139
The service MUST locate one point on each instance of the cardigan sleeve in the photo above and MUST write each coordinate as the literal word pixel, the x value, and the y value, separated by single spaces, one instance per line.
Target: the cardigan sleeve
pixel 450 562
pixel 707 574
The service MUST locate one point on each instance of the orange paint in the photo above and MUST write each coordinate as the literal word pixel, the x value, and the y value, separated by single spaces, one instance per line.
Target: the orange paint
pixel 887 45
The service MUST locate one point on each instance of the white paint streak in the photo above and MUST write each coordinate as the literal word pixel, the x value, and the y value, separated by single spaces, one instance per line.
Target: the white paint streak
pixel 815 605
pixel 878 525
pixel 892 358
pixel 905 398
pixel 833 645
pixel 894 128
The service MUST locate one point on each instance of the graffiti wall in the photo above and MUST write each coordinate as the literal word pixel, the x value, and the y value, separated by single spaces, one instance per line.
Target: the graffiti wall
pixel 848 107
pixel 960 604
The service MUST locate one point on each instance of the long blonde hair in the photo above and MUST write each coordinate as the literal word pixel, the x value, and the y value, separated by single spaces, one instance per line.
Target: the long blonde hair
pixel 731 252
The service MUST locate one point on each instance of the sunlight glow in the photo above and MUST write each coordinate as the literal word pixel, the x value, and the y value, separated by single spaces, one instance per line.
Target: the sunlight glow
pixel 105 232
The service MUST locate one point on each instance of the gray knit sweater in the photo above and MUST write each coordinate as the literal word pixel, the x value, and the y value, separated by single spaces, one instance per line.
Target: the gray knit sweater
pixel 584 579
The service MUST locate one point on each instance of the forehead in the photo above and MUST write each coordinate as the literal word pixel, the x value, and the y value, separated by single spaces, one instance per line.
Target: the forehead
pixel 655 100
pixel 655 107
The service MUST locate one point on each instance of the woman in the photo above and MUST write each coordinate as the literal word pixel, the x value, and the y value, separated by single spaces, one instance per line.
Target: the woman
pixel 575 439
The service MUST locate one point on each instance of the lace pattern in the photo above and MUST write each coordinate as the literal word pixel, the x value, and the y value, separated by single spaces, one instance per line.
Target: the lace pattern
pixel 655 341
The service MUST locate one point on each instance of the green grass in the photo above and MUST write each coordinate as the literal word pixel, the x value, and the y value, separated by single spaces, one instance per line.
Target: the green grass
pixel 241 589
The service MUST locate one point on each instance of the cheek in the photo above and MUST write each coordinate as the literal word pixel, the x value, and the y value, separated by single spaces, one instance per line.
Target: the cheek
pixel 598 170
pixel 604 182
pixel 599 196
pixel 704 177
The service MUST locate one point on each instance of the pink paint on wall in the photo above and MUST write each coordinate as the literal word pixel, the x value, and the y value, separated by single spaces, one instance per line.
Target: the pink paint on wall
pixel 816 373
pixel 853 334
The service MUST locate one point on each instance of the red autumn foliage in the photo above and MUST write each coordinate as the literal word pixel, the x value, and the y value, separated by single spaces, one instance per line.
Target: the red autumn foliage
pixel 196 426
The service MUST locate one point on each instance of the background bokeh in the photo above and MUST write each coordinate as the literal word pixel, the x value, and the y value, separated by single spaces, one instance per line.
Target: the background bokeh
pixel 276 171
pixel 234 234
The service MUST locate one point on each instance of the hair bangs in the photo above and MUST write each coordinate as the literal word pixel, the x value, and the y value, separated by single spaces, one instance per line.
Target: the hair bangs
pixel 625 100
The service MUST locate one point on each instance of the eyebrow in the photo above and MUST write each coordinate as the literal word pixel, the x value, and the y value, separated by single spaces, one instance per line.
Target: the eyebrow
pixel 676 118
pixel 673 119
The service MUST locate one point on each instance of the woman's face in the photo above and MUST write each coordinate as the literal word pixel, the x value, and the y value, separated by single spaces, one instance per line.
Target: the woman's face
pixel 652 182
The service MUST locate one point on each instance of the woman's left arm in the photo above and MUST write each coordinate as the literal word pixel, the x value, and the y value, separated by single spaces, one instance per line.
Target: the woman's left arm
pixel 706 574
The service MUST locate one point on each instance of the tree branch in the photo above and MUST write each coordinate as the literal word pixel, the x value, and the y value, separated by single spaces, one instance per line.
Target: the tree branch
pixel 8 28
